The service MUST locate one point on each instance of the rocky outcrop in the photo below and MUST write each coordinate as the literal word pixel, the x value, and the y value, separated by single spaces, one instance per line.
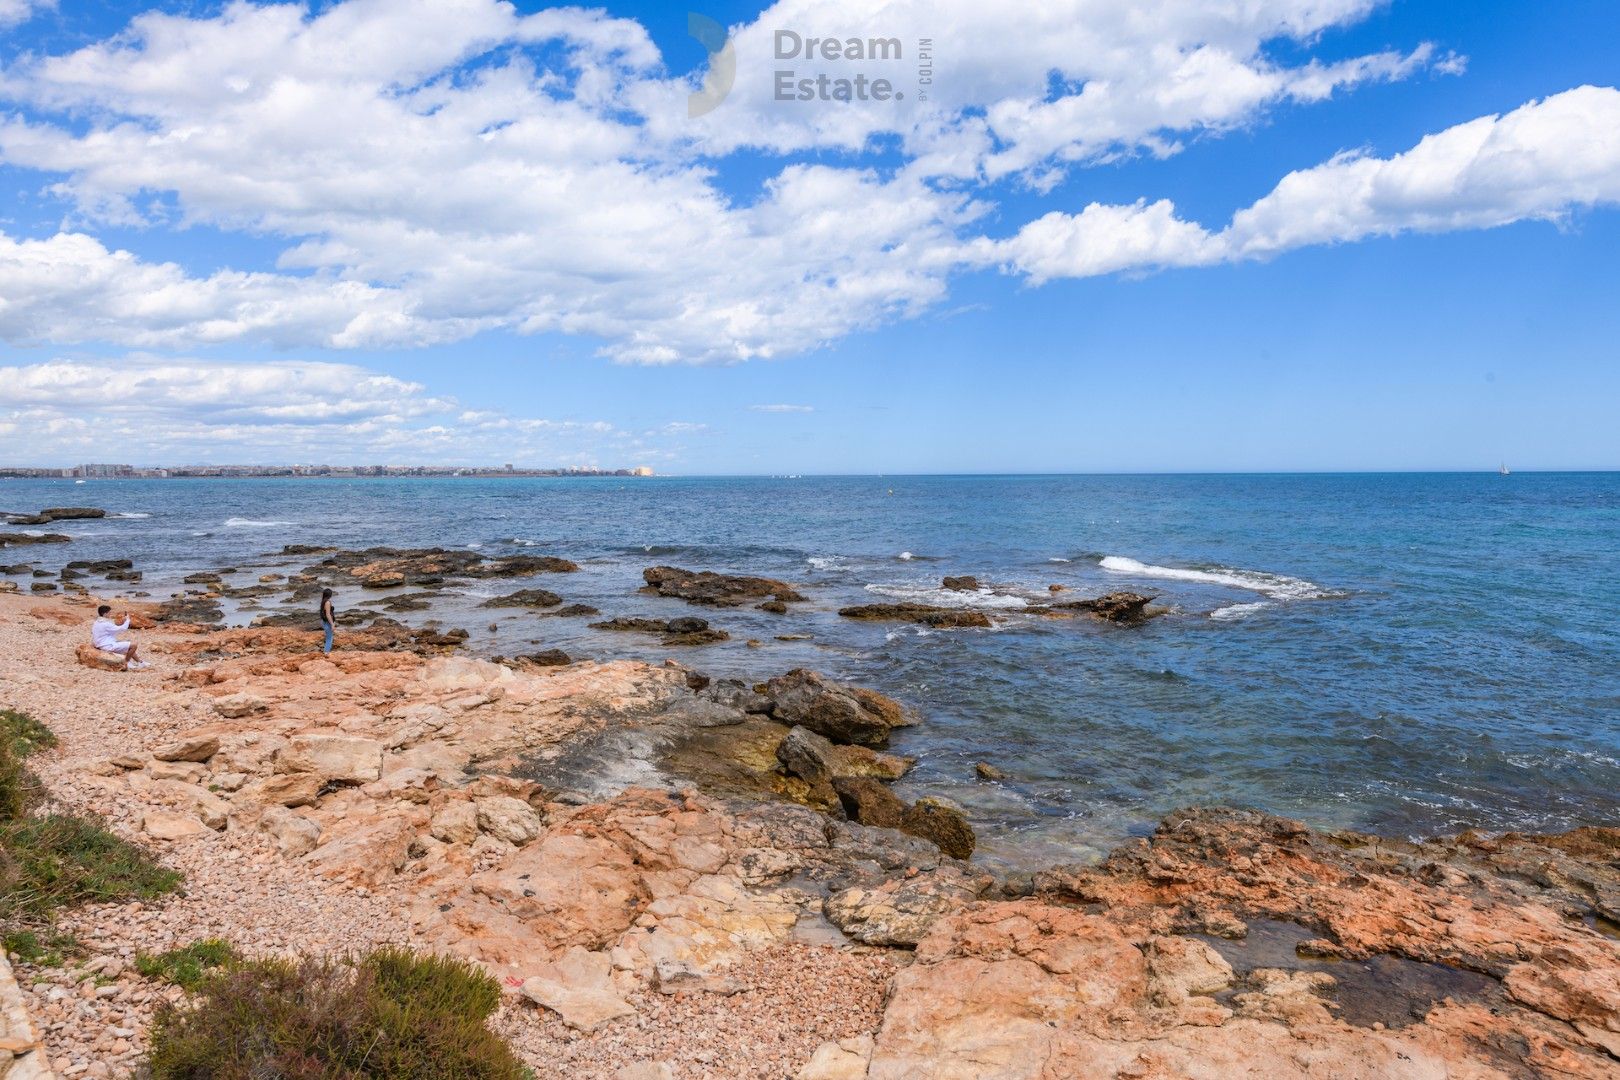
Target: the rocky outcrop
pixel 686 631
pixel 1115 607
pixel 715 590
pixel 924 614
pixel 71 513
pixel 964 583
pixel 524 598
pixel 10 539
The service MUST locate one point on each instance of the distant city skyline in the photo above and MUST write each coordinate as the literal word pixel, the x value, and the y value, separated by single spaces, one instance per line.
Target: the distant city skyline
pixel 1082 236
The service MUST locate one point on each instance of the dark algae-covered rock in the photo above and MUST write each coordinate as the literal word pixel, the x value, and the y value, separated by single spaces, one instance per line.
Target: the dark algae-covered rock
pixel 715 590
pixel 926 615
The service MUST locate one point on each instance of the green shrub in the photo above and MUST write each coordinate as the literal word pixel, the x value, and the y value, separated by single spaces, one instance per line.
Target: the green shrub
pixel 24 732
pixel 45 949
pixel 389 1013
pixel 61 859
pixel 188 965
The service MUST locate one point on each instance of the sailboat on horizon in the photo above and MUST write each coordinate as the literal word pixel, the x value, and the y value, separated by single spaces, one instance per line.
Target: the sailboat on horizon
pixel 1503 471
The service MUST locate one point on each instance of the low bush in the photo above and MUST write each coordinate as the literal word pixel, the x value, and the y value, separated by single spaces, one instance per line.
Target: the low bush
pixel 187 966
pixel 59 859
pixel 48 860
pixel 389 1013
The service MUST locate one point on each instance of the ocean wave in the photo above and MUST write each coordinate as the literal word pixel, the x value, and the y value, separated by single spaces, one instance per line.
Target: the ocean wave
pixel 130 516
pixel 1057 559
pixel 953 598
pixel 474 546
pixel 1276 586
pixel 1238 611
pixel 518 541
pixel 254 523
pixel 825 562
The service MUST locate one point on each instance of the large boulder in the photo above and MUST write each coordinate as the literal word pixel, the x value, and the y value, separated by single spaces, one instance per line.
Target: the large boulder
pixel 869 801
pixel 294 835
pixel 92 657
pixel 347 759
pixel 578 987
pixel 848 714
pixel 198 746
pixel 509 819
pixel 938 821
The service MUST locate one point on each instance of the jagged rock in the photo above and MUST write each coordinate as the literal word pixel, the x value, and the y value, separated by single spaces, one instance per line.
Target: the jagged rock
pixel 925 614
pixel 457 823
pixel 524 598
pixel 735 694
pixel 848 714
pixel 964 583
pixel 807 755
pixel 295 836
pixel 900 911
pixel 509 819
pixel 235 706
pixel 1117 607
pixel 198 746
pixel 715 590
pixel 986 771
pixel 204 578
pixel 287 789
pixel 869 801
pixel 578 987
pixel 24 539
pixel 935 820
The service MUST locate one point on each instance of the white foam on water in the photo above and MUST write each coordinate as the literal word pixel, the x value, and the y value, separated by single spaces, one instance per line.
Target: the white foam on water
pixel 1056 559
pixel 1238 611
pixel 1276 586
pixel 130 517
pixel 905 556
pixel 253 523
pixel 518 541
pixel 953 598
pixel 475 547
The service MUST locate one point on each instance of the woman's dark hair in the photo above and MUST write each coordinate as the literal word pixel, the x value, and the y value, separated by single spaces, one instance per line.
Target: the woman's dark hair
pixel 326 594
pixel 103 609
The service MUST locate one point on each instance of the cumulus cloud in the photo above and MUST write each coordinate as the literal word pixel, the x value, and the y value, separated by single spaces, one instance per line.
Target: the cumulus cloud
pixel 1539 162
pixel 436 168
pixel 185 410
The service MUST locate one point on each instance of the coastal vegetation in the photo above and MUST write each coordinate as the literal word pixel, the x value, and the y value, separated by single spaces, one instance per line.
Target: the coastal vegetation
pixel 387 1013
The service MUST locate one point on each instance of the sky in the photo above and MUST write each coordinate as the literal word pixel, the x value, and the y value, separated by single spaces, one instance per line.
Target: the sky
pixel 1070 236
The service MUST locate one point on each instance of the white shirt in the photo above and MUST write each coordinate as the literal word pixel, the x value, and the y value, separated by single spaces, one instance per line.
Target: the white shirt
pixel 104 632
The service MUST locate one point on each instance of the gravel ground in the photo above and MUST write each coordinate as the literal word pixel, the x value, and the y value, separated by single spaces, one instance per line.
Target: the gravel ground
pixel 95 1011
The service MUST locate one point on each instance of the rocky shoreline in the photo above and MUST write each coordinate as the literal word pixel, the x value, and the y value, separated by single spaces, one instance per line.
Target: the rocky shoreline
pixel 770 913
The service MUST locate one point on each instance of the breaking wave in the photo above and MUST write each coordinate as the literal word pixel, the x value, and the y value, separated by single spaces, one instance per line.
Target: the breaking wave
pixel 1276 586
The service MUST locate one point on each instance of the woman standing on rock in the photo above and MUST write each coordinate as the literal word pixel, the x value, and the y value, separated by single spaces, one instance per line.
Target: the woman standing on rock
pixel 327 620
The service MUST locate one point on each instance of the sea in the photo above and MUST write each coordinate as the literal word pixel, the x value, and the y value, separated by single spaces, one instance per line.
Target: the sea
pixel 1407 654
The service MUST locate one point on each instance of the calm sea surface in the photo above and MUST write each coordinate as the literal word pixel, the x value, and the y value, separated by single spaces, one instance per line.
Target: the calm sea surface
pixel 1402 653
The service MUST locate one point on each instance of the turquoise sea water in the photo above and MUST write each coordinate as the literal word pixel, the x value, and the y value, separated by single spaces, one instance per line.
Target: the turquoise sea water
pixel 1403 653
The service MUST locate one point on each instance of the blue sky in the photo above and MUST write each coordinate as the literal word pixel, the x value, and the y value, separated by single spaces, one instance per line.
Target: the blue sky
pixel 812 287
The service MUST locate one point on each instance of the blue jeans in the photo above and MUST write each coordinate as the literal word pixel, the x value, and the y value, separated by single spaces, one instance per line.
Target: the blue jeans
pixel 328 646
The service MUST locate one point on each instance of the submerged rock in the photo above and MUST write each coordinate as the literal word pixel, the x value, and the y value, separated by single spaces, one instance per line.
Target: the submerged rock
pixel 925 614
pixel 716 590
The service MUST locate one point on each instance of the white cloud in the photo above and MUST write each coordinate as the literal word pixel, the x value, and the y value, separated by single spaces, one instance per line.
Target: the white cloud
pixel 1539 162
pixel 13 12
pixel 166 411
pixel 432 169
pixel 782 408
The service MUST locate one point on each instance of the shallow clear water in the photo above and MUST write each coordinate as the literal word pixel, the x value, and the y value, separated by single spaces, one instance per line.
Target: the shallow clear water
pixel 1402 653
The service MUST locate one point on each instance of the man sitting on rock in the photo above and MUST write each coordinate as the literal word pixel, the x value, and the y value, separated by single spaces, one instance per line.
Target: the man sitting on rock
pixel 104 636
